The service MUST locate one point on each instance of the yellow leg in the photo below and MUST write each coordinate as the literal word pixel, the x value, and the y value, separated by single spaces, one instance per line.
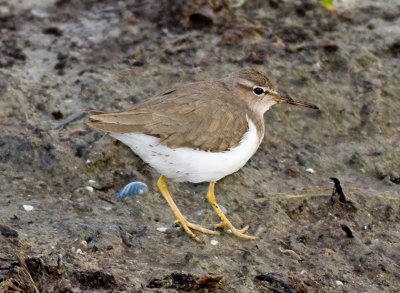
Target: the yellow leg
pixel 225 223
pixel 186 225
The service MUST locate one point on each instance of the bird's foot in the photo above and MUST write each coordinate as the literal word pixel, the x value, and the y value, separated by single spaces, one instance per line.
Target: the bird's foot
pixel 186 225
pixel 226 225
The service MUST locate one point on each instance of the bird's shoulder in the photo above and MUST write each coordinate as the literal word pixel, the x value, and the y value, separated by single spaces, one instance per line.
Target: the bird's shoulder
pixel 200 115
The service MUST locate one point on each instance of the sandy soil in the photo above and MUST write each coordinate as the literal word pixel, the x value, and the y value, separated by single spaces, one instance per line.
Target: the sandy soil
pixel 60 57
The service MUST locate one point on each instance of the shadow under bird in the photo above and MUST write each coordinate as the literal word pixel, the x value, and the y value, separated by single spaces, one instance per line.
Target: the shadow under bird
pixel 198 132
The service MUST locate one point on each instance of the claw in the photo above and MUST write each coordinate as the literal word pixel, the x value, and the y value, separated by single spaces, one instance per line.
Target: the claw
pixel 237 232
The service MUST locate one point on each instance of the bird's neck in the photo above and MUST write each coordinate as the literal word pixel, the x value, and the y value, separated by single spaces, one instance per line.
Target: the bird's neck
pixel 258 120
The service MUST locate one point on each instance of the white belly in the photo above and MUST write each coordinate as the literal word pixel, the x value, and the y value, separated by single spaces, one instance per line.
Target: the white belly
pixel 185 164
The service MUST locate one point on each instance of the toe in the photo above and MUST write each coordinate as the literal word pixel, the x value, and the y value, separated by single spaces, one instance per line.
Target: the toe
pixel 244 229
pixel 189 232
pixel 237 232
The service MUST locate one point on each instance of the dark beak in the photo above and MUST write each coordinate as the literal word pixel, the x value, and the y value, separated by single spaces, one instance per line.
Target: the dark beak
pixel 282 98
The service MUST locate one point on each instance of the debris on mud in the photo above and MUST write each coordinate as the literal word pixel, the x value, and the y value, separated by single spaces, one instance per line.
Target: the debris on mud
pixel 62 228
pixel 185 282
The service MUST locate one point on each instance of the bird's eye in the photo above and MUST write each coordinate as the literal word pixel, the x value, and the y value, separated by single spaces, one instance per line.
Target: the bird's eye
pixel 258 91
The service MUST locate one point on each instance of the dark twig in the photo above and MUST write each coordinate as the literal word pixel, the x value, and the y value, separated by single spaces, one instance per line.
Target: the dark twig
pixel 337 190
pixel 70 119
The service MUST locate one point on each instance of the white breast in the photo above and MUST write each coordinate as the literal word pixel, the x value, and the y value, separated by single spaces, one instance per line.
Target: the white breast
pixel 185 164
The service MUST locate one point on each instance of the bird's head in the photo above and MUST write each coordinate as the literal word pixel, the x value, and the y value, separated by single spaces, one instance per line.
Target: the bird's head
pixel 255 89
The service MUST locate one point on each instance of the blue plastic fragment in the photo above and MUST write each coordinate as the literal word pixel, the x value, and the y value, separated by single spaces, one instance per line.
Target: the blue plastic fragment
pixel 132 188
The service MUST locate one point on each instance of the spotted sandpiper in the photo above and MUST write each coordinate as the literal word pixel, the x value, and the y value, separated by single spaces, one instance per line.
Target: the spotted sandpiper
pixel 198 132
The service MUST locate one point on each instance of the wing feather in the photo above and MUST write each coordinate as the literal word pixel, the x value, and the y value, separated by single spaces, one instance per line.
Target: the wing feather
pixel 182 117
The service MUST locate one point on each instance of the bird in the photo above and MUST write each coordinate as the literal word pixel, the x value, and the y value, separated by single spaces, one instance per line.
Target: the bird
pixel 198 132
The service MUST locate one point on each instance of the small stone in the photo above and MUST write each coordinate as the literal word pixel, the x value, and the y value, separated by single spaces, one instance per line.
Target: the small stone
pixel 214 242
pixel 27 207
pixel 39 13
pixel 90 188
pixel 162 229
pixel 7 231
pixel 199 212
pixel 339 283
pixel 310 170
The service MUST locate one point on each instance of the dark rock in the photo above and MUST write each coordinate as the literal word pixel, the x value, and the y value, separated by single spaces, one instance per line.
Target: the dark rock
pixel 57 115
pixel 177 281
pixel 275 283
pixel 95 280
pixel 202 18
pixel 7 231
pixel 330 47
pixel 52 30
pixel 394 49
pixel 347 230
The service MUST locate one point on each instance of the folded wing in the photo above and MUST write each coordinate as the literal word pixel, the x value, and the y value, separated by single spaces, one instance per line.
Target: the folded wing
pixel 181 117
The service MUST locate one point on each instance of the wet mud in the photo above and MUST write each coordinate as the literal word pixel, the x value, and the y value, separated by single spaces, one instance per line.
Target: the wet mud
pixel 63 228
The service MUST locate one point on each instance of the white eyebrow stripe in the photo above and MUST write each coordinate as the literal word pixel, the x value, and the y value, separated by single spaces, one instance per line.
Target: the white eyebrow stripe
pixel 246 83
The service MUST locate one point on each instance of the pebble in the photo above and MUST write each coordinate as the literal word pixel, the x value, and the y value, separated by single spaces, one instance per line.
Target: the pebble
pixel 27 207
pixel 214 242
pixel 200 212
pixel 132 188
pixel 339 283
pixel 90 188
pixel 39 13
pixel 162 229
pixel 7 231
pixel 310 170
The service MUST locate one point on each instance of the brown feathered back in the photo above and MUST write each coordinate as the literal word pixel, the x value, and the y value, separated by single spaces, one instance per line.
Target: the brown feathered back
pixel 191 115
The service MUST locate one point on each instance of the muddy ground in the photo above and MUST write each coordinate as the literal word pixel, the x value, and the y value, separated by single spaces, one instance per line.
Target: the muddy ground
pixel 60 57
